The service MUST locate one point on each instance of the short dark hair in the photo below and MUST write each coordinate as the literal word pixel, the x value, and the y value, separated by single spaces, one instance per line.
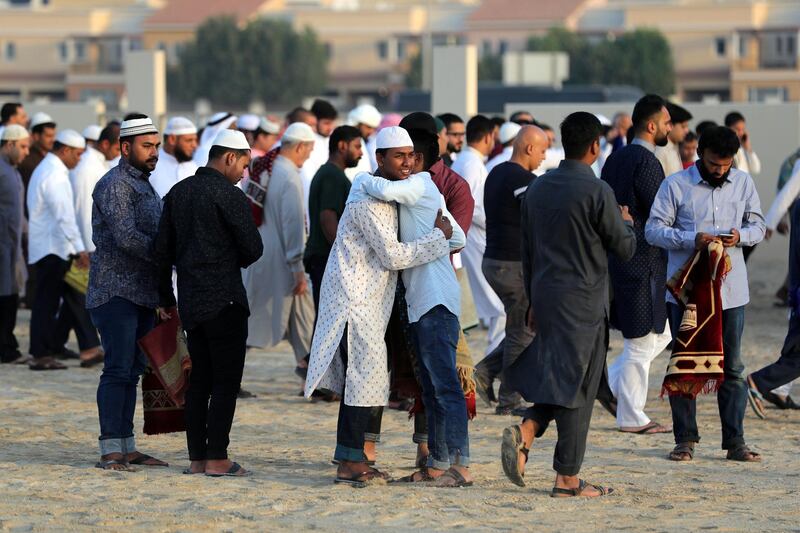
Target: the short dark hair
pixel 678 113
pixel 703 126
pixel 9 110
pixel 58 146
pixel 133 115
pixel 478 127
pixel 644 110
pixel 342 133
pixel 426 144
pixel 296 115
pixel 323 110
pixel 719 140
pixel 515 118
pixel 220 151
pixel 110 133
pixel 498 121
pixel 449 118
pixel 545 127
pixel 734 117
pixel 39 128
pixel 691 136
pixel 578 131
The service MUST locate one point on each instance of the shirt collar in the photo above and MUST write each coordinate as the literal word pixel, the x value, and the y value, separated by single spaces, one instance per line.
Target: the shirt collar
pixel 644 144
pixel 574 165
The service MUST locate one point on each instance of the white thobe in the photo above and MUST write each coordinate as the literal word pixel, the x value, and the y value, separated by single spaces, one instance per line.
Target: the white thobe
pixel 52 228
pixel 747 161
pixel 502 157
pixel 168 172
pixel 469 166
pixel 670 158
pixel 370 153
pixel 83 178
pixel 319 156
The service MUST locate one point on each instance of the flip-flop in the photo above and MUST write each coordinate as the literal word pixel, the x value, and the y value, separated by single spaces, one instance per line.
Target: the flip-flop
pixel 420 476
pixel 558 492
pixel 46 365
pixel 233 471
pixel 509 454
pixel 455 475
pixel 141 461
pixel 755 398
pixel 652 428
pixel 104 465
pixel 188 472
pixel 357 482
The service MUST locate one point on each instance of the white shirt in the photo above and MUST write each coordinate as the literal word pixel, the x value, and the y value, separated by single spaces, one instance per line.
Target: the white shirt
pixel 52 228
pixel 83 178
pixel 552 159
pixel 433 283
pixel 363 164
pixel 747 161
pixel 469 166
pixel 370 153
pixel 502 157
pixel 168 172
pixel 786 197
pixel 670 158
pixel 318 157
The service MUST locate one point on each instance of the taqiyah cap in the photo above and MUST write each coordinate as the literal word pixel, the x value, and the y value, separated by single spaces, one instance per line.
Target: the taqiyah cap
pixel 393 137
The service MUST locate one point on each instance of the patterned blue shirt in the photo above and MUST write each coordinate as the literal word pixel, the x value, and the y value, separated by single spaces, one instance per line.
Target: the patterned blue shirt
pixel 125 216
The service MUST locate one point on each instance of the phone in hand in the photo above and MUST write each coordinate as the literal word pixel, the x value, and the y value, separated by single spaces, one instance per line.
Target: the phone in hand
pixel 725 235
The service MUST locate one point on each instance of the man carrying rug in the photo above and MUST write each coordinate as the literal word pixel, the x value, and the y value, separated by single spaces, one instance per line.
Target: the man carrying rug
pixel 709 202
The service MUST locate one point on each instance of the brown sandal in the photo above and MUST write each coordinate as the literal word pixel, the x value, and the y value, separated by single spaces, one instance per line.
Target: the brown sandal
pixel 420 476
pixel 558 492
pixel 744 454
pixel 512 446
pixel 452 479
pixel 682 452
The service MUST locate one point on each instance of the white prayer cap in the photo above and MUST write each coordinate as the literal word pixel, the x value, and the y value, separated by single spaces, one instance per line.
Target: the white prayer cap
pixel 393 137
pixel 71 138
pixel 604 121
pixel 137 126
pixel 92 132
pixel 41 118
pixel 365 114
pixel 233 139
pixel 248 122
pixel 180 126
pixel 270 127
pixel 216 118
pixel 509 131
pixel 298 132
pixel 13 132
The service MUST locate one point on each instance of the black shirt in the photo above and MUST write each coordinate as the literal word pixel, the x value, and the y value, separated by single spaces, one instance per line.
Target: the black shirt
pixel 207 231
pixel 329 190
pixel 502 196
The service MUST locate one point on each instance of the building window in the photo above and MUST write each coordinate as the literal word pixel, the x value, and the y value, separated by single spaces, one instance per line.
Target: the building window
pixel 721 46
pixel 487 47
pixel 743 42
pixel 19 2
pixel 383 49
pixel 401 50
pixel 135 44
pixel 767 94
pixel 63 51
pixel 779 45
pixel 502 47
pixel 10 52
pixel 790 45
pixel 80 51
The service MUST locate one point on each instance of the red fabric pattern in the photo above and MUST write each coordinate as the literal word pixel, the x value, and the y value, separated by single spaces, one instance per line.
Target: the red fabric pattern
pixel 257 167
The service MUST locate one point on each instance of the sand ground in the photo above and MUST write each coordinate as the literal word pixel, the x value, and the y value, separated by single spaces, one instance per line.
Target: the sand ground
pixel 48 432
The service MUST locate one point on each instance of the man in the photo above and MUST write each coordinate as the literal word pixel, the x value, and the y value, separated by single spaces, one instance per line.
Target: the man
pixel 554 154
pixel 92 166
pixel 91 134
pixel 43 135
pixel 277 288
pixel 619 137
pixel 638 309
pixel 669 155
pixel 366 119
pixel 207 232
pixel 432 299
pixel 355 304
pixel 688 149
pixel 746 159
pixel 470 166
pixel 328 195
pixel 502 261
pixel 508 132
pixel 570 223
pixel 123 287
pixel 523 118
pixel 175 158
pixel 456 133
pixel 14 146
pixel 54 242
pixel 711 201
pixel 218 122
pixel 261 134
pixel 442 136
pixel 13 113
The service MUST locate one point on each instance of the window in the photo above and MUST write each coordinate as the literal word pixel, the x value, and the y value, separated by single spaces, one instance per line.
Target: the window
pixel 743 43
pixel 790 45
pixel 161 46
pixel 767 94
pixel 502 46
pixel 80 51
pixel 19 2
pixel 401 50
pixel 383 49
pixel 10 52
pixel 63 51
pixel 721 46
pixel 487 47
pixel 779 45
pixel 135 44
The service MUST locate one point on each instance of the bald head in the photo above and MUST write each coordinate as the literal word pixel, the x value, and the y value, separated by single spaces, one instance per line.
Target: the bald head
pixel 529 147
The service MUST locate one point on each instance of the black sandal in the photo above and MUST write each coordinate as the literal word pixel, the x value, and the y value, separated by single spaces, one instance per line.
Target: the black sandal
pixel 744 454
pixel 682 449
pixel 420 476
pixel 104 465
pixel 452 474
pixel 360 480
pixel 558 492
pixel 142 461
pixel 509 454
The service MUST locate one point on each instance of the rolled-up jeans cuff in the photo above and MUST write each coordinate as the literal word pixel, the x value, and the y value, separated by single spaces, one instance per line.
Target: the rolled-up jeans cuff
pixel 420 438
pixel 438 465
pixel 343 453
pixel 109 446
pixel 372 437
pixel 129 444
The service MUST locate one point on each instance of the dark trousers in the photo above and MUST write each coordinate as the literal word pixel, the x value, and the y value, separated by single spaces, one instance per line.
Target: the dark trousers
pixel 315 267
pixel 121 323
pixel 9 348
pixel 74 316
pixel 355 424
pixel 217 347
pixel 732 395
pixel 787 368
pixel 573 429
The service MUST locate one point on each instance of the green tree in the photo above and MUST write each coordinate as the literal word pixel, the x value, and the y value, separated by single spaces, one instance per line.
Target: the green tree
pixel 266 60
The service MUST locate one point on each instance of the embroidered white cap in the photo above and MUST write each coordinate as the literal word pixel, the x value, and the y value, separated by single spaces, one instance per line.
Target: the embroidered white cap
pixel 298 132
pixel 509 131
pixel 180 126
pixel 273 128
pixel 393 137
pixel 365 114
pixel 92 132
pixel 248 122
pixel 233 139
pixel 41 118
pixel 137 126
pixel 71 138
pixel 13 132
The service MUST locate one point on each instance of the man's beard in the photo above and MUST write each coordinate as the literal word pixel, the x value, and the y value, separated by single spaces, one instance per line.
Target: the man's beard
pixel 662 141
pixel 708 177
pixel 181 156
pixel 452 149
pixel 351 162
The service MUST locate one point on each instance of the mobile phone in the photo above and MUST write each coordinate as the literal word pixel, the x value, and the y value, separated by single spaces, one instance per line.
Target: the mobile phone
pixel 725 235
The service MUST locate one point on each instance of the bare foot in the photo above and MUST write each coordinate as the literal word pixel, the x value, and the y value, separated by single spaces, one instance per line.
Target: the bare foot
pixel 223 466
pixel 528 429
pixel 422 455
pixel 197 467
pixel 369 451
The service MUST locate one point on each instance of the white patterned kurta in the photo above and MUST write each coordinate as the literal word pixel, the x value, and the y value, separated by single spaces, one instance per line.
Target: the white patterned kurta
pixel 358 291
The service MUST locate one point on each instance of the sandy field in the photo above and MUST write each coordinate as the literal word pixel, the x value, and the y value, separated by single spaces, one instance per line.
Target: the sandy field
pixel 48 432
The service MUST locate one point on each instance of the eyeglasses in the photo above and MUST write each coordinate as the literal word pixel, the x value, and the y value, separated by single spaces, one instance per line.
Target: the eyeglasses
pixel 457 133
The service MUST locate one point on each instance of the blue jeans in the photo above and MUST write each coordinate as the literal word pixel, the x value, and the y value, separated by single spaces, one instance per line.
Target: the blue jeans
pixel 732 395
pixel 121 323
pixel 435 338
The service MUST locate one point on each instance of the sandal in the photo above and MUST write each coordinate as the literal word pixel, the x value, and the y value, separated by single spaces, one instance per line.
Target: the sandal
pixel 106 465
pixel 558 492
pixel 451 479
pixel 755 398
pixel 512 446
pixel 360 480
pixel 744 454
pixel 420 476
pixel 235 470
pixel 682 452
pixel 142 459
pixel 650 429
pixel 46 363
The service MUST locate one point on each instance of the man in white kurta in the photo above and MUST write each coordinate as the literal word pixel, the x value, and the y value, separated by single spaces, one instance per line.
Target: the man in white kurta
pixel 175 158
pixel 470 165
pixel 366 119
pixel 508 132
pixel 218 122
pixel 281 304
pixel 357 296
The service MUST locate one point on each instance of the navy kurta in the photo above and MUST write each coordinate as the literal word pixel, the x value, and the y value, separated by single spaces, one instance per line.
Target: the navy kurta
pixel 638 306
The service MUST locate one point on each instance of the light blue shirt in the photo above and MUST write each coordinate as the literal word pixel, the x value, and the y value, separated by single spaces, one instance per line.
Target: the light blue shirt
pixel 433 283
pixel 686 205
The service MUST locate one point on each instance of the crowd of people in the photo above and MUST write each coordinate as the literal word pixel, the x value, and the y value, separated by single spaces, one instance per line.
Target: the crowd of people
pixel 364 244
